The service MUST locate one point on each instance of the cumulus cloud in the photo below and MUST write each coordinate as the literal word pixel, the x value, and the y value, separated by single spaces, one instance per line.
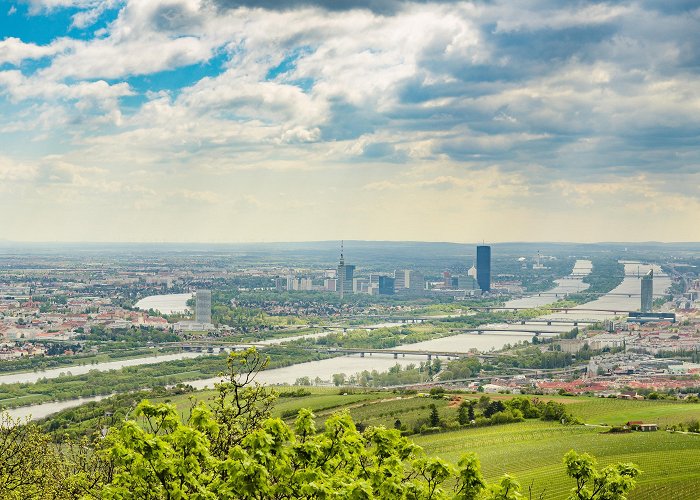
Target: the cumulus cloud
pixel 383 7
pixel 526 101
pixel 14 51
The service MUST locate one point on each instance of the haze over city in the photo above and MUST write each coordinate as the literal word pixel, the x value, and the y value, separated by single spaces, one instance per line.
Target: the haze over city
pixel 229 121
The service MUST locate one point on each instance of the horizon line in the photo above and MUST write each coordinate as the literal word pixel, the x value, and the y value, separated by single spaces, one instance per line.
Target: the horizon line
pixel 265 242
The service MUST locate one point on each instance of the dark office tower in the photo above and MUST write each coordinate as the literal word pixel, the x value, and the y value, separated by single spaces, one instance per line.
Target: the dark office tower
pixel 386 285
pixel 647 291
pixel 483 267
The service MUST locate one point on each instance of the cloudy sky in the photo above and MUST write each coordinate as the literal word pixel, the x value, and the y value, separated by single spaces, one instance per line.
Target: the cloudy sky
pixel 284 120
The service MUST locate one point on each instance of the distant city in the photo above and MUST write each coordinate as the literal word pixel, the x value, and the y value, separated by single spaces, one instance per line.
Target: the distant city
pixel 409 282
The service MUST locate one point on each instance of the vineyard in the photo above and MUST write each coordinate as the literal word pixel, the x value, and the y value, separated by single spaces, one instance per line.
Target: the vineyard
pixel 532 452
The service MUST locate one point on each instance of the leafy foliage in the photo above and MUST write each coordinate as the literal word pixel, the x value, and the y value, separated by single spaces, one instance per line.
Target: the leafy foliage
pixel 610 483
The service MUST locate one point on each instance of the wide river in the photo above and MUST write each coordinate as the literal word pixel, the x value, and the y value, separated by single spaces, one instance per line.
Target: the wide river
pixel 617 299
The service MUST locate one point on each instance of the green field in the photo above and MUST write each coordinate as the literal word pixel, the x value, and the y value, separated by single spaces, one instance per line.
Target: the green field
pixel 604 411
pixel 619 411
pixel 533 451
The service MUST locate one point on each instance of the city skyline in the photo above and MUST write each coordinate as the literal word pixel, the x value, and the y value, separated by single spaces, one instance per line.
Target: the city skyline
pixel 225 121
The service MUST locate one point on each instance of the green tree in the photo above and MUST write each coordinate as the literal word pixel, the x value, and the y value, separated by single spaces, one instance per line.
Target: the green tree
pixel 463 413
pixel 506 489
pixel 494 407
pixel 30 466
pixel 339 379
pixel 610 483
pixel 434 416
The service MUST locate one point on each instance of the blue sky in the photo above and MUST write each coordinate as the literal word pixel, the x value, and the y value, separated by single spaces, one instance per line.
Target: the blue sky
pixel 261 120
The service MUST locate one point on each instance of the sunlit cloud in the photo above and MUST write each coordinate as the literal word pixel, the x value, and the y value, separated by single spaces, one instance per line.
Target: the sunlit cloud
pixel 374 118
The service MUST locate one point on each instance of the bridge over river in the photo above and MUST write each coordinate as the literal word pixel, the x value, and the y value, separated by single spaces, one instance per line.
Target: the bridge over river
pixel 565 310
pixel 212 346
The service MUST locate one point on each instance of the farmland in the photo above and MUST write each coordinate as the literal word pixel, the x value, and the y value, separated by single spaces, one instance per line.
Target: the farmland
pixel 533 451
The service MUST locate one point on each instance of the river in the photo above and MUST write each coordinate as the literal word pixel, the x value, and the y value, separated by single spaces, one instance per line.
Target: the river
pixel 570 284
pixel 625 297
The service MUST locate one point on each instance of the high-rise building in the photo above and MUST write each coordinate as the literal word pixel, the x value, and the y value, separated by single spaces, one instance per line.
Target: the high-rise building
pixel 360 285
pixel 483 267
pixel 345 275
pixel 647 291
pixel 399 280
pixel 415 282
pixel 330 284
pixel 386 285
pixel 202 310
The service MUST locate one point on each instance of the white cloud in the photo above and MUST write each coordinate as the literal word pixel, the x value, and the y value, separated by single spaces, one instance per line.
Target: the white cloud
pixel 12 171
pixel 438 108
pixel 14 51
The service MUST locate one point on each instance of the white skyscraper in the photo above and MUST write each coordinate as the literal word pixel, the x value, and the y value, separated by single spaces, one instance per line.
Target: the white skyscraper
pixel 202 311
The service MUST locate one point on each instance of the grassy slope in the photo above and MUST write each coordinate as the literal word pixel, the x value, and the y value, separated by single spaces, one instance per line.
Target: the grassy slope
pixel 533 451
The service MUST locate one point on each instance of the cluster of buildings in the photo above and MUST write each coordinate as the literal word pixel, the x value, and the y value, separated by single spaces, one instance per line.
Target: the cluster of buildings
pixel 408 282
pixel 29 320
pixel 202 315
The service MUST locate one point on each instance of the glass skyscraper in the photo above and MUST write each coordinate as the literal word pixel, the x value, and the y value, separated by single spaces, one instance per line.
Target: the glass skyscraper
pixel 483 267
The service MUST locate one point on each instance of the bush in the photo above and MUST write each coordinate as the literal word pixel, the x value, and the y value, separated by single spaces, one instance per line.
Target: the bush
pixel 299 393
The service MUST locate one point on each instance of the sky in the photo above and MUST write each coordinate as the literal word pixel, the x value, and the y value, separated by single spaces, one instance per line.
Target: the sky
pixel 287 120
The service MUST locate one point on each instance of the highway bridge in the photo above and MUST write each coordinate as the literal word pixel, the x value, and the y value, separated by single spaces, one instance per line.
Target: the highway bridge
pixel 212 346
pixel 552 309
pixel 626 275
pixel 563 322
pixel 489 329
pixel 613 294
